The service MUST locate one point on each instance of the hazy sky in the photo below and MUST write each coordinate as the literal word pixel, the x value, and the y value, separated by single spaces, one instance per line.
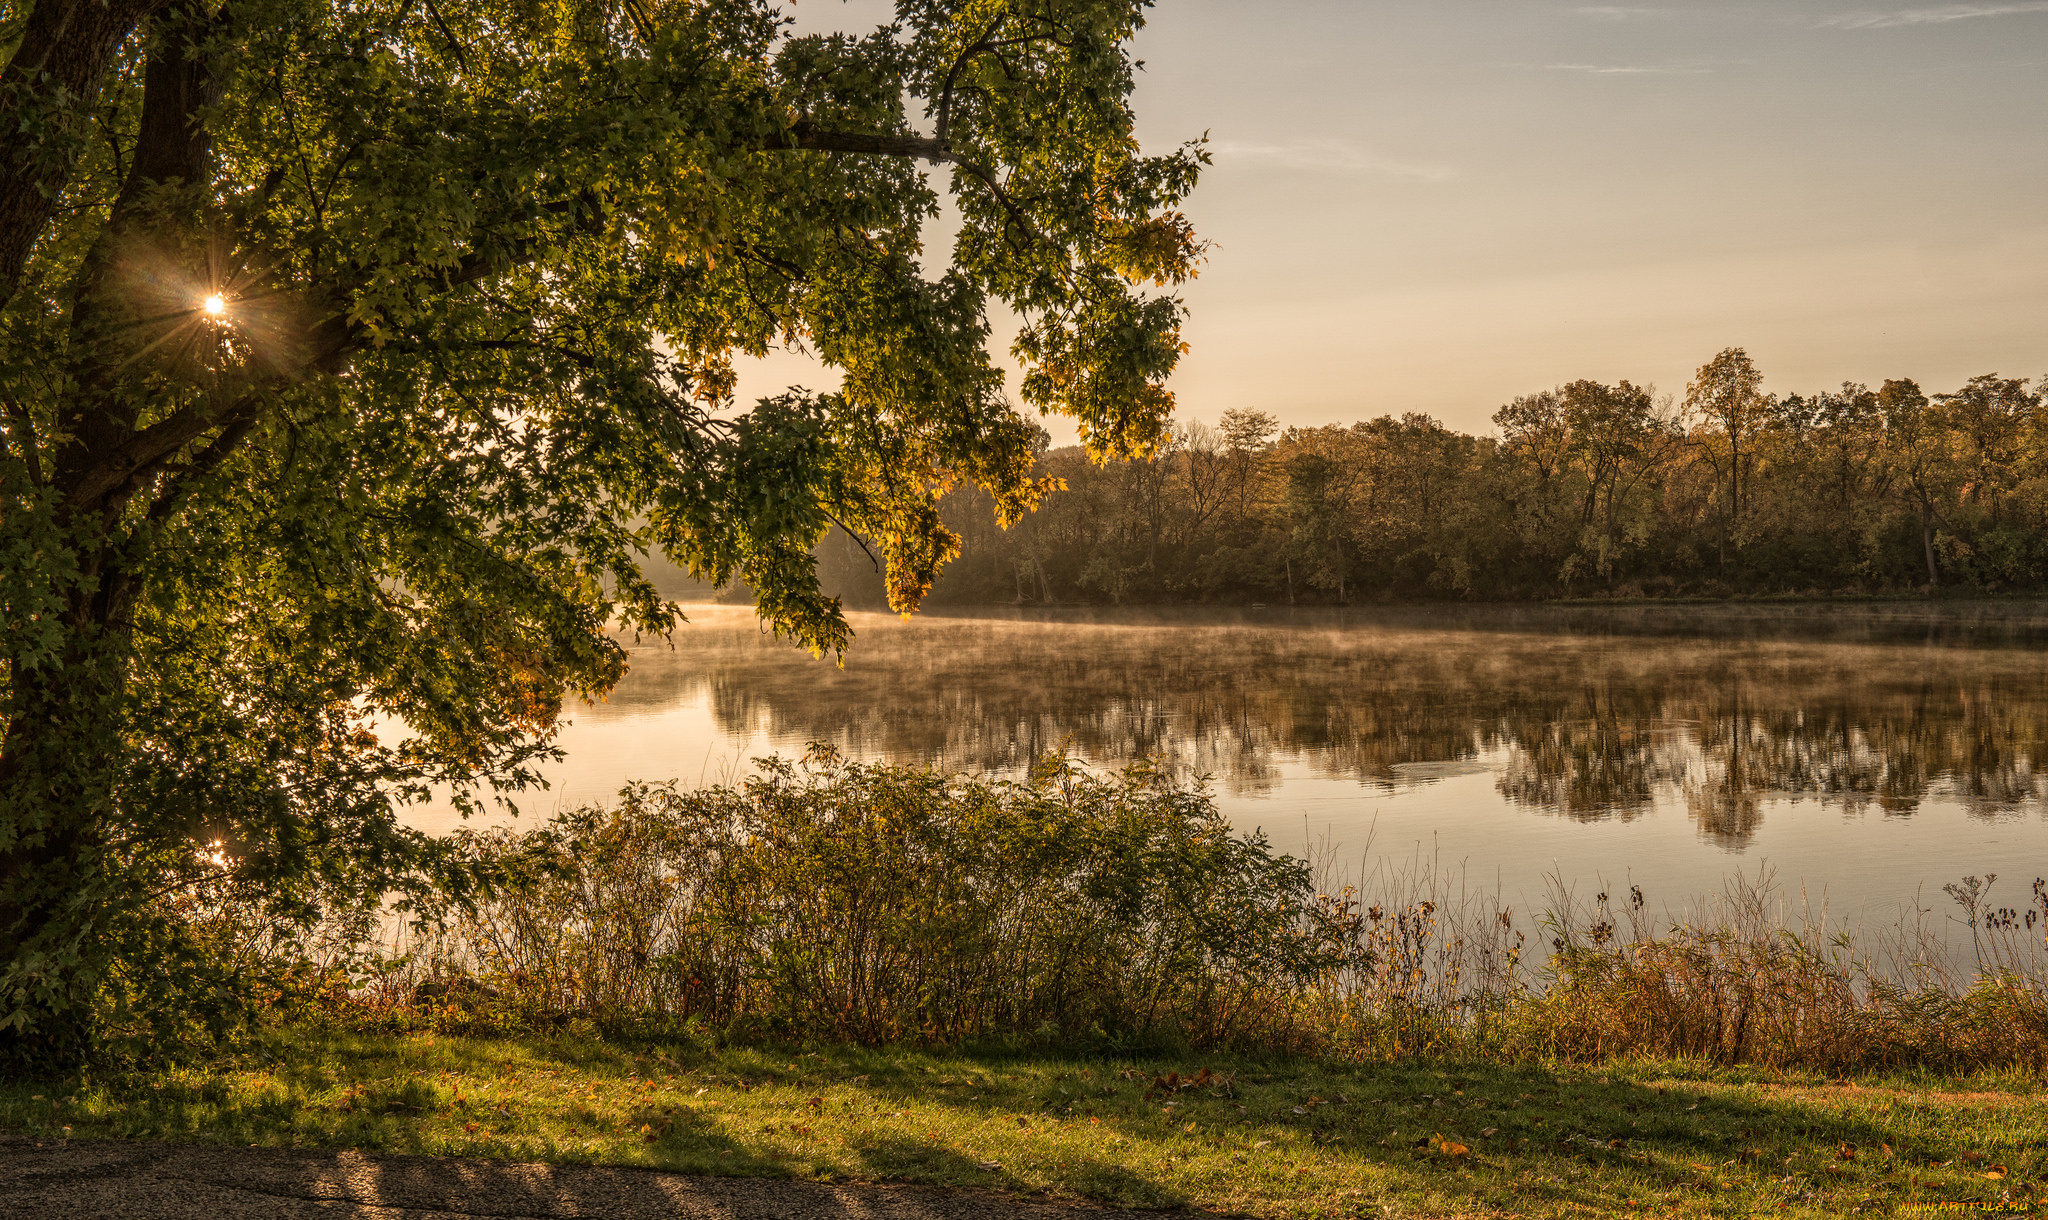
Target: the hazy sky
pixel 1437 205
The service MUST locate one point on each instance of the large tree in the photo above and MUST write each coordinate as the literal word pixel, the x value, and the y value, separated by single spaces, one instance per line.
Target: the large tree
pixel 1726 396
pixel 354 354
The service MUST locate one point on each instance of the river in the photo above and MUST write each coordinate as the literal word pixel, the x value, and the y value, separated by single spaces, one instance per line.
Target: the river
pixel 1867 754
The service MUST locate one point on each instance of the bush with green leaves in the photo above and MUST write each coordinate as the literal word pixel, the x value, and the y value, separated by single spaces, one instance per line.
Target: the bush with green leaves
pixel 872 903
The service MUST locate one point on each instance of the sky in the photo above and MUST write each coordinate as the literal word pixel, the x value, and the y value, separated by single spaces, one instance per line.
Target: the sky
pixel 1438 205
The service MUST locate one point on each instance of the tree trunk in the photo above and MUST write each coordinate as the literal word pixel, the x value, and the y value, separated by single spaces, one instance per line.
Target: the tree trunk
pixel 55 72
pixel 1734 480
pixel 57 884
pixel 63 890
pixel 1927 541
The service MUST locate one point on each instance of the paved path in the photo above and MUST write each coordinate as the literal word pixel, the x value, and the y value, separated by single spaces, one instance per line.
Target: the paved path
pixel 133 1180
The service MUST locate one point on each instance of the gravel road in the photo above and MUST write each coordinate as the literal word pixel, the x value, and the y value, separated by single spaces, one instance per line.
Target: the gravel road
pixel 134 1180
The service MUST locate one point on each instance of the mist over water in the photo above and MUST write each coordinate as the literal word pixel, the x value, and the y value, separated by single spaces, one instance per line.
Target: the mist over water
pixel 1867 754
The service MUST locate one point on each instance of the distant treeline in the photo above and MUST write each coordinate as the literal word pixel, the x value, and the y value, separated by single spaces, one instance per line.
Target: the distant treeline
pixel 1588 490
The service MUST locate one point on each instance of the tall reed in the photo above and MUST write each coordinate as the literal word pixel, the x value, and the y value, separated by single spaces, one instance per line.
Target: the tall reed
pixel 1746 978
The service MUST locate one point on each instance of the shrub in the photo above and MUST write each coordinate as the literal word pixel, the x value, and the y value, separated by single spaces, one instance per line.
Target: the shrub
pixel 871 903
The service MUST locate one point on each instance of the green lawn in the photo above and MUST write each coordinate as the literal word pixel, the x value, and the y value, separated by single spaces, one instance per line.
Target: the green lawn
pixel 1271 1139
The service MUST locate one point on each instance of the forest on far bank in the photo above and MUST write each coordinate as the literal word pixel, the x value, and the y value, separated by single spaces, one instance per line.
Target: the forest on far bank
pixel 1587 490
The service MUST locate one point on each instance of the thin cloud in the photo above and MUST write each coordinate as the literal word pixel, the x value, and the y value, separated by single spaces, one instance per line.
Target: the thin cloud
pixel 1625 70
pixel 1931 16
pixel 1332 156
pixel 1616 12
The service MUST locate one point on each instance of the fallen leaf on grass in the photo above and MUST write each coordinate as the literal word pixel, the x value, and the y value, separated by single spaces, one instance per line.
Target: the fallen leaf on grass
pixel 1847 1152
pixel 1996 1171
pixel 1489 1131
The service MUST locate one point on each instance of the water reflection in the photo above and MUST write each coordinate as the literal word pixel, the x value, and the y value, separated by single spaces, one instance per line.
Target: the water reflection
pixel 1581 714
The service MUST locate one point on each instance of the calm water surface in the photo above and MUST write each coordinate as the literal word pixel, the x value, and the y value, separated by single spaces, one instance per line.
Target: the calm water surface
pixel 1868 754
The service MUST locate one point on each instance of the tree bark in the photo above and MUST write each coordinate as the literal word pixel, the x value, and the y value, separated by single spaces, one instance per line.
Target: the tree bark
pixel 52 84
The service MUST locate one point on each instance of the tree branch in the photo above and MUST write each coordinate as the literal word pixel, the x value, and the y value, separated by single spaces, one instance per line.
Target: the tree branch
pixel 22 428
pixel 185 478
pixel 454 43
pixel 122 468
pixel 808 138
pixel 944 127
pixel 811 139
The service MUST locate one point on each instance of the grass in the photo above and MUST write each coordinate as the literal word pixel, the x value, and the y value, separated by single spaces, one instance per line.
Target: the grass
pixel 1273 1139
pixel 1404 1047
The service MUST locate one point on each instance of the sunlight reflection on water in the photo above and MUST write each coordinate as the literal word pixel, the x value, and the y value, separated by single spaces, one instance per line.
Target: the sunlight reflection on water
pixel 1870 754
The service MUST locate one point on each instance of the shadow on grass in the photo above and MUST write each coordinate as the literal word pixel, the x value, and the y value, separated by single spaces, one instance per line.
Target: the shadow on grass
pixel 1589 1136
pixel 1594 1137
pixel 895 1158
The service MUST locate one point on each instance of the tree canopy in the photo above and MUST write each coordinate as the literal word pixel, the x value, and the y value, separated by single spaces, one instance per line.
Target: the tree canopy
pixel 1583 490
pixel 354 352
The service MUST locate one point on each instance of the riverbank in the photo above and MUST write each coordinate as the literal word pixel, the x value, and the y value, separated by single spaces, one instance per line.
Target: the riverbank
pixel 1267 1138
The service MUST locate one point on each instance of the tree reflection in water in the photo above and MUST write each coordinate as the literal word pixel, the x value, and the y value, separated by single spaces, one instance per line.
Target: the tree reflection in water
pixel 1583 714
